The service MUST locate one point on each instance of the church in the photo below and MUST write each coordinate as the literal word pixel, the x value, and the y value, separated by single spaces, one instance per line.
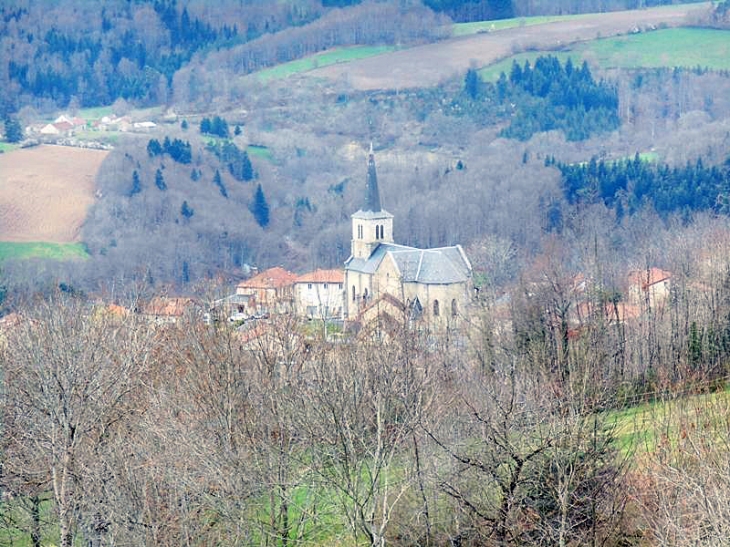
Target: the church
pixel 430 285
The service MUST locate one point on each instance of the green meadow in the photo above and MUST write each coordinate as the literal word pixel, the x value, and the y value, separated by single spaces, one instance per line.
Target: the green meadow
pixel 55 251
pixel 675 47
pixel 8 147
pixel 95 113
pixel 476 27
pixel 640 430
pixel 258 151
pixel 330 57
pixel 464 29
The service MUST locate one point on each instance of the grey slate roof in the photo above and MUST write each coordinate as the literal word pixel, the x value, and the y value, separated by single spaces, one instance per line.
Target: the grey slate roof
pixel 439 266
pixel 372 195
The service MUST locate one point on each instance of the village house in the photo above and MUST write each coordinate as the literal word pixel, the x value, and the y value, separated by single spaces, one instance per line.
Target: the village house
pixel 164 310
pixel 431 285
pixel 649 287
pixel 272 291
pixel 233 308
pixel 320 294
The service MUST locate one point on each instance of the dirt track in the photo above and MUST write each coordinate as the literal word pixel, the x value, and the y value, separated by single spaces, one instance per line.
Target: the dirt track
pixel 45 192
pixel 428 65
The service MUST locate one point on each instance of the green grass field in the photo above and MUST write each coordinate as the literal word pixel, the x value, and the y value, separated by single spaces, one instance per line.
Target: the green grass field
pixel 258 151
pixel 641 429
pixel 465 29
pixel 330 57
pixel 676 47
pixel 95 113
pixel 8 147
pixel 55 251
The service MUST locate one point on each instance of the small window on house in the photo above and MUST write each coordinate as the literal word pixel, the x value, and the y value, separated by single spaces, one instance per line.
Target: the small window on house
pixel 454 310
pixel 339 286
pixel 325 286
pixel 309 285
pixel 435 308
pixel 365 295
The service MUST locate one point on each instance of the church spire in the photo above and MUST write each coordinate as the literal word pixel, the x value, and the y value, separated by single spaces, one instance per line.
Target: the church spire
pixel 372 195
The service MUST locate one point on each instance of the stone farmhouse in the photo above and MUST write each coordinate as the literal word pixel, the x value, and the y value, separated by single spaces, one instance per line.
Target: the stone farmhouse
pixel 429 285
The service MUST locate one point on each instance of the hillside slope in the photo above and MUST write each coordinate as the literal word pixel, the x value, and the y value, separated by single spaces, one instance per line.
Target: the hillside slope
pixel 429 65
pixel 45 192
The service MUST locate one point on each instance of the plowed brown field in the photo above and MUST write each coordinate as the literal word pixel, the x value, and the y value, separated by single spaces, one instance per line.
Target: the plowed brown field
pixel 428 65
pixel 46 191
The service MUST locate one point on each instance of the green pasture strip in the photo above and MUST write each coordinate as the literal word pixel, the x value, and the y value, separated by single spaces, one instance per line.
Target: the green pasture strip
pixel 463 29
pixel 258 151
pixel 675 47
pixel 39 249
pixel 476 27
pixel 8 147
pixel 95 112
pixel 642 429
pixel 331 57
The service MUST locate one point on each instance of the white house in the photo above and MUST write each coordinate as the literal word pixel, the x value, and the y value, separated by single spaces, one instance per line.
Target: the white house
pixel 320 294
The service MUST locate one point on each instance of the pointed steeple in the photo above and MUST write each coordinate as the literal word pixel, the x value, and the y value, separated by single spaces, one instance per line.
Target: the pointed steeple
pixel 372 195
pixel 371 224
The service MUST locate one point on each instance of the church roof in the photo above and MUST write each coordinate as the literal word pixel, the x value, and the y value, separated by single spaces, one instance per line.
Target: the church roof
pixel 439 266
pixel 372 195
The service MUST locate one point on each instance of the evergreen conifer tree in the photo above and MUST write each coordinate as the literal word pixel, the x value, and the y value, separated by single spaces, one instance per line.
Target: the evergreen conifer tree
pixel 160 180
pixel 13 130
pixel 186 211
pixel 136 184
pixel 260 208
pixel 219 183
pixel 246 167
pixel 472 83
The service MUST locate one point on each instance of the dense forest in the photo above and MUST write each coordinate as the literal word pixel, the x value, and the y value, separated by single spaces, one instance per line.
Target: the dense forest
pixel 627 185
pixel 544 97
pixel 91 55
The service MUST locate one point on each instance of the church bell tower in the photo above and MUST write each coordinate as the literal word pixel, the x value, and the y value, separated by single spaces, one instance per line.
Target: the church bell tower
pixel 371 225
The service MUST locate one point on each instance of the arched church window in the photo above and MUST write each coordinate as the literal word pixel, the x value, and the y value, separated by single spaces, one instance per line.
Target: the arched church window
pixel 435 308
pixel 453 308
pixel 353 293
pixel 382 232
pixel 359 231
pixel 365 295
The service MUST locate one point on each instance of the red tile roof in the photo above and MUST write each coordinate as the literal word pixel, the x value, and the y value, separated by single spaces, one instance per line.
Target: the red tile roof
pixel 647 278
pixel 322 276
pixel 273 278
pixel 163 306
pixel 63 126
